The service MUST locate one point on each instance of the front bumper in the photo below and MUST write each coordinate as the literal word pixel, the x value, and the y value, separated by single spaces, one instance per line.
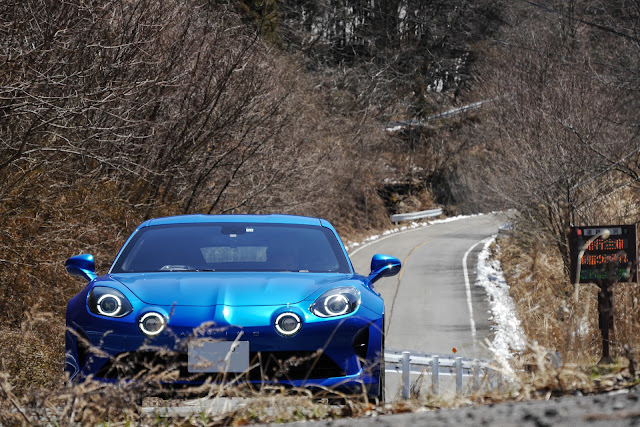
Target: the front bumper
pixel 342 353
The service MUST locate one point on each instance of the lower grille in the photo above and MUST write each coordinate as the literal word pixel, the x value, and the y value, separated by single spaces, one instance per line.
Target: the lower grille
pixel 172 366
pixel 293 366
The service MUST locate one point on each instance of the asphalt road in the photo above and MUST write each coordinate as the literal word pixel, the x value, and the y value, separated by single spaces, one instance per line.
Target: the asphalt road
pixel 427 309
pixel 427 306
pixel 432 305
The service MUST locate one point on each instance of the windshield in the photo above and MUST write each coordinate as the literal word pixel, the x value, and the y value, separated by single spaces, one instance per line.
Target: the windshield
pixel 233 247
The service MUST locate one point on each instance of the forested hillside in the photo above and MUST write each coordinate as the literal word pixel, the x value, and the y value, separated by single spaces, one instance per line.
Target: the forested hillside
pixel 114 111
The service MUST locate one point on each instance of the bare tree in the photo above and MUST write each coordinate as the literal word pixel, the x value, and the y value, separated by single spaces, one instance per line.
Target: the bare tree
pixel 564 140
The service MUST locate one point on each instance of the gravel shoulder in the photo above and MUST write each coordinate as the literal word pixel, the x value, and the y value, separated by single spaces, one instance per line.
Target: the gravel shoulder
pixel 618 408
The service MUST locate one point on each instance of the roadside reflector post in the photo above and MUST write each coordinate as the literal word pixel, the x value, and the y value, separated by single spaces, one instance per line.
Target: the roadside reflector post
pixel 459 375
pixel 406 375
pixel 435 375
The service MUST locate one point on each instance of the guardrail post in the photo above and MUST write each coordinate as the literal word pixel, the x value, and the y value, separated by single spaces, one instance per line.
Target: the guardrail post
pixel 492 379
pixel 459 375
pixel 435 375
pixel 406 375
pixel 476 374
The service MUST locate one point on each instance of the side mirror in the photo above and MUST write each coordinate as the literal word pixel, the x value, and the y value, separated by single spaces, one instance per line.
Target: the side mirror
pixel 81 266
pixel 383 266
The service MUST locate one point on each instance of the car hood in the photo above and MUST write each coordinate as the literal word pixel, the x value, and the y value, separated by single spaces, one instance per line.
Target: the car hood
pixel 232 289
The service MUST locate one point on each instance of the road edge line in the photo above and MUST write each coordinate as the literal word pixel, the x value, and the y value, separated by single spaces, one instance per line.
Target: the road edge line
pixel 467 285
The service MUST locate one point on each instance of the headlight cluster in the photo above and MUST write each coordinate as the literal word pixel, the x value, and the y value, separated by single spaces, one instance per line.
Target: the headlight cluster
pixel 336 302
pixel 108 302
pixel 111 302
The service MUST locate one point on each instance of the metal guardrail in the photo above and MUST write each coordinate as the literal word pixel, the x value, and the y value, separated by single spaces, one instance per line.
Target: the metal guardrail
pixel 481 371
pixel 397 125
pixel 402 124
pixel 416 215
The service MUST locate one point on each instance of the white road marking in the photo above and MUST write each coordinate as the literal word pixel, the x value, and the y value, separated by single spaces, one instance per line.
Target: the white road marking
pixel 467 285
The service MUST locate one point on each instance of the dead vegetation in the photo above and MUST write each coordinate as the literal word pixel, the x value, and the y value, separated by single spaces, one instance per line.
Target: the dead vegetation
pixel 565 344
pixel 549 318
pixel 548 312
pixel 116 111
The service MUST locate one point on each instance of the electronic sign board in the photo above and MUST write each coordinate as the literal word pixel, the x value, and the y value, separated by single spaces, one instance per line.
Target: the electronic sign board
pixel 613 259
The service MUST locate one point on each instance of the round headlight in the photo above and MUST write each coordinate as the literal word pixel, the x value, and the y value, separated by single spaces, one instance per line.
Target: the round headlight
pixel 336 304
pixel 152 323
pixel 108 302
pixel 288 324
pixel 108 305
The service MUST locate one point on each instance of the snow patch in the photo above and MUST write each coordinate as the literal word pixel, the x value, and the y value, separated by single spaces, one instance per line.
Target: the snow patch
pixel 508 333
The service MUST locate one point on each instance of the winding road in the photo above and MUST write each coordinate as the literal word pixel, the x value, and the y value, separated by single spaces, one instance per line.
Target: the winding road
pixel 432 306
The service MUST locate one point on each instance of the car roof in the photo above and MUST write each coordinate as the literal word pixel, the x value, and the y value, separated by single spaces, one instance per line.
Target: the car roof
pixel 255 219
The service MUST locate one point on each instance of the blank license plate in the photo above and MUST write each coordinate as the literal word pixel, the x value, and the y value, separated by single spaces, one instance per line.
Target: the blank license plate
pixel 218 356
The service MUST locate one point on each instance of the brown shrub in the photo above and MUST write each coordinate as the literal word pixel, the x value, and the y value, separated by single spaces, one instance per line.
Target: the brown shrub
pixel 546 307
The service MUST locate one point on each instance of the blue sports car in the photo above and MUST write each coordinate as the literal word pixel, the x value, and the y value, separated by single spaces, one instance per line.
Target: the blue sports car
pixel 256 299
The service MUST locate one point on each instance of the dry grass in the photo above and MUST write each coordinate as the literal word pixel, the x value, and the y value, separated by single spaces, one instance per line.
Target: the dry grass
pixel 94 402
pixel 32 355
pixel 32 389
pixel 554 323
pixel 549 314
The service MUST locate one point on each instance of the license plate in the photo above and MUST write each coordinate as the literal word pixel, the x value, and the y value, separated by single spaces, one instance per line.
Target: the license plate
pixel 218 356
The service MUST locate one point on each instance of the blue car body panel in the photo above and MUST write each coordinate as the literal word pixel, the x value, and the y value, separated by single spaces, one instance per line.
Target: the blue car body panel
pixel 345 351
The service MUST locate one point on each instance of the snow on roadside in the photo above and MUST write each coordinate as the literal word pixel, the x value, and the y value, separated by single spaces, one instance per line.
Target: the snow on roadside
pixel 508 333
pixel 354 246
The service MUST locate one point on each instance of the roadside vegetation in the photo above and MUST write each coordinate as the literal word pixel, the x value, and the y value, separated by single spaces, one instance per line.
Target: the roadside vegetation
pixel 562 149
pixel 113 111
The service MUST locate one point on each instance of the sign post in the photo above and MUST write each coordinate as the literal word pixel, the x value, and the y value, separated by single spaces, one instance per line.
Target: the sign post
pixel 604 255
